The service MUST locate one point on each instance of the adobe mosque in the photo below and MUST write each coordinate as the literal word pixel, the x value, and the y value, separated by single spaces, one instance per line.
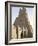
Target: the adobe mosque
pixel 21 27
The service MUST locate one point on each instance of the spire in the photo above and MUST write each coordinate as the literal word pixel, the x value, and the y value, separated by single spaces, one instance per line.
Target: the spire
pixel 24 9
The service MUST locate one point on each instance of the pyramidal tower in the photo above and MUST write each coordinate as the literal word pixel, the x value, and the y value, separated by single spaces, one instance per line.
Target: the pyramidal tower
pixel 22 17
pixel 23 23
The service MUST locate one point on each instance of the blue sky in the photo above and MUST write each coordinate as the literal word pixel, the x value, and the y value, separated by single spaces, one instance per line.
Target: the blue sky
pixel 15 12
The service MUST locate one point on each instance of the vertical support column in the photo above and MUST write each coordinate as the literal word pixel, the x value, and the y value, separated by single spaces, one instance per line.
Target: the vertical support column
pixel 17 31
pixel 23 32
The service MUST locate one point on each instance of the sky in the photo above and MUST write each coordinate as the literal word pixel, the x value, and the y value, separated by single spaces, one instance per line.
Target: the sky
pixel 30 12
